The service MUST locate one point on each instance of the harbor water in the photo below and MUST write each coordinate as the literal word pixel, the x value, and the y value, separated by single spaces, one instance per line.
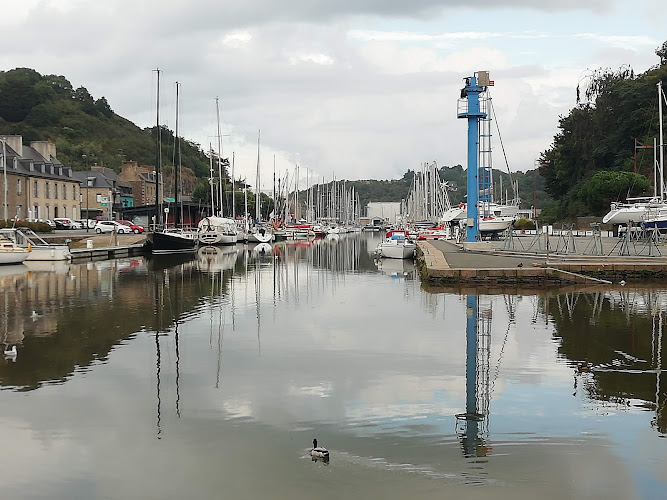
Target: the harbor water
pixel 209 377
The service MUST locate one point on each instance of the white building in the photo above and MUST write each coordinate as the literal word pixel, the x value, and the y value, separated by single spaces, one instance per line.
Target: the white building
pixel 390 211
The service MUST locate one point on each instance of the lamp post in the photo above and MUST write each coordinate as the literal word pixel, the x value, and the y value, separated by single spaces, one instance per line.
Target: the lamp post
pixel 88 179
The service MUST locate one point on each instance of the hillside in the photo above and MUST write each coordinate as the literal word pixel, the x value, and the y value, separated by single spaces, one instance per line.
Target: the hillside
pixel 86 130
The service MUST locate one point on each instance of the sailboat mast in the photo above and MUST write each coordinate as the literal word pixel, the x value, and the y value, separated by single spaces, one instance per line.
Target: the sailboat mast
pixel 210 176
pixel 178 167
pixel 233 188
pixel 662 141
pixel 257 189
pixel 217 114
pixel 158 158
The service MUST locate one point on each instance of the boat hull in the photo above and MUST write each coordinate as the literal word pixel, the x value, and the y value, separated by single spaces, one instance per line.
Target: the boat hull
pixel 13 256
pixel 170 243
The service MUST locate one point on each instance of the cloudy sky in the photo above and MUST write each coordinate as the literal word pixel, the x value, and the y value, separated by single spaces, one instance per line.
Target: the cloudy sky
pixel 352 89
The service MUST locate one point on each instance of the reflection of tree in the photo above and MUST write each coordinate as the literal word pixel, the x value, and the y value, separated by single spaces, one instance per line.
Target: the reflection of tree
pixel 621 336
pixel 91 310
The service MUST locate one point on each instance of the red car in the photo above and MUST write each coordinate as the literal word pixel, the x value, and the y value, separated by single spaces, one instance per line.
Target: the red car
pixel 136 228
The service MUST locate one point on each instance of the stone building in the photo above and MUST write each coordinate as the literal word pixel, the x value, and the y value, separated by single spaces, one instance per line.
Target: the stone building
pixel 38 186
pixel 142 181
pixel 103 195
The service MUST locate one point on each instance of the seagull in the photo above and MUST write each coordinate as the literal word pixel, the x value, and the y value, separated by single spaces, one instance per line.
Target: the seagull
pixel 622 283
pixel 34 315
pixel 319 452
pixel 520 264
pixel 10 353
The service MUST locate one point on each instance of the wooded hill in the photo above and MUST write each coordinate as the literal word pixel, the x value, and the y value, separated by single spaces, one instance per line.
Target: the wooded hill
pixel 593 160
pixel 590 163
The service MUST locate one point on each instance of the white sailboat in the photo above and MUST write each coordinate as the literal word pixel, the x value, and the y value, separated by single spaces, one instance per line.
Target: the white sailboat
pixel 652 210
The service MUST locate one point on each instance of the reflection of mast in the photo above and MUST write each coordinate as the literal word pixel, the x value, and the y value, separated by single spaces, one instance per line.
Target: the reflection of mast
pixel 158 316
pixel 471 426
pixel 656 342
pixel 257 285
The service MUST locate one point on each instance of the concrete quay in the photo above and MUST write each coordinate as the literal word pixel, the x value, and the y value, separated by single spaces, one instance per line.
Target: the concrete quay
pixel 490 262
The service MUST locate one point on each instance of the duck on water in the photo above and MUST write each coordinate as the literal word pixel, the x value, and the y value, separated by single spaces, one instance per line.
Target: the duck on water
pixel 319 453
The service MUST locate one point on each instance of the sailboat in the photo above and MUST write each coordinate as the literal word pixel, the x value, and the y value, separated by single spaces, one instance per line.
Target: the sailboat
pixel 217 230
pixel 164 240
pixel 651 210
pixel 258 233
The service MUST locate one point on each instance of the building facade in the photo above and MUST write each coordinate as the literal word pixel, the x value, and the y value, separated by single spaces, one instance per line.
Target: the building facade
pixel 36 184
pixel 142 181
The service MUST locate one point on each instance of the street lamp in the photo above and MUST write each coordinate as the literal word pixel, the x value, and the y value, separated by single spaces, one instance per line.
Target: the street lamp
pixel 88 180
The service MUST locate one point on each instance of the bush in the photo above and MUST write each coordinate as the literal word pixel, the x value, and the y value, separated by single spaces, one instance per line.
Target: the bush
pixel 38 227
pixel 524 223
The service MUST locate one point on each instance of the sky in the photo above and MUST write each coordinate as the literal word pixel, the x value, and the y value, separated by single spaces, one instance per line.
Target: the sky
pixel 362 89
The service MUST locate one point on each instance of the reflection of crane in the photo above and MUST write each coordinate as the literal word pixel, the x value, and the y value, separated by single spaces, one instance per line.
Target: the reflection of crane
pixel 472 426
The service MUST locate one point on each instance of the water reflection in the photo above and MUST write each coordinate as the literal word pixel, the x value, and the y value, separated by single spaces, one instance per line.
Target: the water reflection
pixel 196 362
pixel 613 340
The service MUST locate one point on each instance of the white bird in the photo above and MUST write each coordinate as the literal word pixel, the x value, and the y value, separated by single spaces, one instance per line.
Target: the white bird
pixel 11 353
pixel 622 283
pixel 319 452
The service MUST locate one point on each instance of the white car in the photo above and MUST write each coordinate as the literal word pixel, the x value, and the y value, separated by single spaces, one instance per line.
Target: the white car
pixel 109 226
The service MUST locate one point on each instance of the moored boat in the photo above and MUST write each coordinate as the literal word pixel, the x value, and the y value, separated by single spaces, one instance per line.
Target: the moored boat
pixel 172 241
pixel 396 245
pixel 217 231
pixel 11 253
pixel 40 250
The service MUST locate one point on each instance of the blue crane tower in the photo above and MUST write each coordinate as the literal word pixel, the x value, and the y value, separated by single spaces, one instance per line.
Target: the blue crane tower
pixel 469 107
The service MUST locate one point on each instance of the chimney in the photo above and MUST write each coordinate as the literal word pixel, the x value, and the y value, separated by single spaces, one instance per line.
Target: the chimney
pixel 15 142
pixel 45 148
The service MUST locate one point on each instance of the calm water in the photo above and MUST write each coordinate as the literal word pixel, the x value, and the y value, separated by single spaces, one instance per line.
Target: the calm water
pixel 209 378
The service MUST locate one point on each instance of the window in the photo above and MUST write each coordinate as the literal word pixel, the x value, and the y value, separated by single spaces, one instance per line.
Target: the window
pixel 74 192
pixel 55 190
pixel 19 187
pixel 35 189
pixel 19 211
pixel 64 211
pixel 47 191
pixel 35 211
pixel 64 191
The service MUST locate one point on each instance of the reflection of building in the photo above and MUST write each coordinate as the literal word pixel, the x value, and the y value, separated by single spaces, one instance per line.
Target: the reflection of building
pixel 38 185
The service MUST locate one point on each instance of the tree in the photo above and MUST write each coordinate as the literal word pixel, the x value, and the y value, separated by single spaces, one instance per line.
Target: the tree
pixel 605 187
pixel 661 52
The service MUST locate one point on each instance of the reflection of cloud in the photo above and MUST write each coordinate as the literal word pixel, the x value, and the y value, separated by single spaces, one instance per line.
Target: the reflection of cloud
pixel 27 455
pixel 238 408
pixel 322 390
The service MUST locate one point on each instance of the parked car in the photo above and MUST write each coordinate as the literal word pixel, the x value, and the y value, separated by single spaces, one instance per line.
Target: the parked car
pixel 90 222
pixel 136 228
pixel 48 221
pixel 109 226
pixel 65 223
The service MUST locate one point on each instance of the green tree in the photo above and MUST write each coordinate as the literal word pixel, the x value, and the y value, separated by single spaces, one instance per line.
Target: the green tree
pixel 607 186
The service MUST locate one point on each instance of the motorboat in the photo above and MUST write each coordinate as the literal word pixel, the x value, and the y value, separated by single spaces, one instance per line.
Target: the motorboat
pixel 217 231
pixel 396 245
pixel 259 234
pixel 40 249
pixel 11 253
